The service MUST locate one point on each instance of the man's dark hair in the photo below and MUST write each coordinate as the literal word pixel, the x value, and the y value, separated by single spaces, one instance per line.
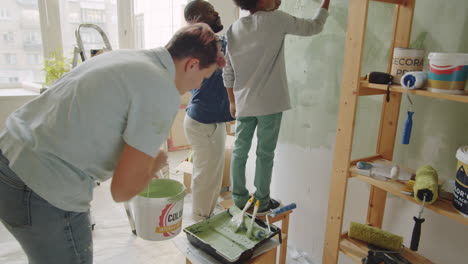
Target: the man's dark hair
pixel 188 42
pixel 192 10
pixel 246 4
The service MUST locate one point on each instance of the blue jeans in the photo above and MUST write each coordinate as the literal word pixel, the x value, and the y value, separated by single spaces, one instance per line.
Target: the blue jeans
pixel 46 234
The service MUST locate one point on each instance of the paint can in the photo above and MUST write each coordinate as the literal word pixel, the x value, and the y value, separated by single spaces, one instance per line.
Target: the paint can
pixel 448 72
pixel 158 210
pixel 406 60
pixel 460 193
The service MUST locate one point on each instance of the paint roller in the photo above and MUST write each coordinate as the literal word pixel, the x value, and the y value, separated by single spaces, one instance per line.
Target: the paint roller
pixel 375 236
pixel 425 190
pixel 411 80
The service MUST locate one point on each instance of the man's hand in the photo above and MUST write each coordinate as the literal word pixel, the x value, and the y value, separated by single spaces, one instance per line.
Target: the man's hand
pixel 159 162
pixel 134 171
pixel 232 110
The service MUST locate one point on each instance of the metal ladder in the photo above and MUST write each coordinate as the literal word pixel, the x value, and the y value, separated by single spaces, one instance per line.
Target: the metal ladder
pixel 79 50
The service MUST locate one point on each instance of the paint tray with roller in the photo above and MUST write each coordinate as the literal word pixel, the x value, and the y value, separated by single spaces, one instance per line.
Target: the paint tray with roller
pixel 216 237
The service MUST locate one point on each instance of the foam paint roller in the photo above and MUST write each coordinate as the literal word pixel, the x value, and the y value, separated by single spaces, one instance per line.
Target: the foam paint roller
pixel 425 191
pixel 426 184
pixel 375 236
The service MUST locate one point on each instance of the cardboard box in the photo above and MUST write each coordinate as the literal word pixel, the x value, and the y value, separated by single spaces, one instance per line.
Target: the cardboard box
pixel 231 128
pixel 177 139
pixel 187 168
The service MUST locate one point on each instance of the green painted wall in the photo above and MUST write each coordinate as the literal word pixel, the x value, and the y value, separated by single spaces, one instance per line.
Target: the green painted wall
pixel 307 138
pixel 314 72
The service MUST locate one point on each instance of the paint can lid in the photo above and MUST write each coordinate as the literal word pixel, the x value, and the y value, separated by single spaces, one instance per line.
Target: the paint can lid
pixel 458 58
pixel 462 154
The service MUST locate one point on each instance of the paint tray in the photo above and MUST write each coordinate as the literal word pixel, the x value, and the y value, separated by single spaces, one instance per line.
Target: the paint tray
pixel 215 237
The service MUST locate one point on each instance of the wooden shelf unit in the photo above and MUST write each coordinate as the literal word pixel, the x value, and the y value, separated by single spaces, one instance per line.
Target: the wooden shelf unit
pixel 367 88
pixel 441 206
pixel 357 250
pixel 353 86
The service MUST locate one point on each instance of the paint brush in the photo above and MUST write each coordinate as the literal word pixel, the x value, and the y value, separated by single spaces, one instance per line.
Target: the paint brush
pixel 238 219
pixel 249 229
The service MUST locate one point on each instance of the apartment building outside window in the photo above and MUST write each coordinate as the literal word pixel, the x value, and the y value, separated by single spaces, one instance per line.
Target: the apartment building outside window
pixel 34 59
pixel 93 15
pixel 8 38
pixel 4 14
pixel 10 59
pixel 157 20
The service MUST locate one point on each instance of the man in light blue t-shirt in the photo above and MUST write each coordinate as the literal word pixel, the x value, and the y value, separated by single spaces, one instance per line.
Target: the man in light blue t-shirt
pixel 107 118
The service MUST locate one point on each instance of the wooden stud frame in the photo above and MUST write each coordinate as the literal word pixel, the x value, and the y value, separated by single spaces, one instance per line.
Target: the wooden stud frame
pixel 350 91
pixel 354 48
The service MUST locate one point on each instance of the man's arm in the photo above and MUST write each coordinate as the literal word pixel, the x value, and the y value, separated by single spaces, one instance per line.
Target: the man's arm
pixel 232 102
pixel 228 78
pixel 133 172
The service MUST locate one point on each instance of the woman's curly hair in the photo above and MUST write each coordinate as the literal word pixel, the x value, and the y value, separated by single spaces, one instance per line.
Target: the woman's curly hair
pixel 246 4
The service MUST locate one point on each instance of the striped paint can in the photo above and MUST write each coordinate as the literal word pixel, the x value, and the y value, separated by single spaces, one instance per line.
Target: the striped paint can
pixel 448 72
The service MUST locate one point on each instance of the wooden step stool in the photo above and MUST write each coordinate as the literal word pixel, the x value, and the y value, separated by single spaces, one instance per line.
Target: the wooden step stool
pixel 268 257
pixel 283 217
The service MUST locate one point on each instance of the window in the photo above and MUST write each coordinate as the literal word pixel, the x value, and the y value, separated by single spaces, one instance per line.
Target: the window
pixel 140 31
pixel 99 12
pixel 10 59
pixel 9 79
pixel 34 59
pixel 30 19
pixel 93 16
pixel 28 3
pixel 20 42
pixel 32 39
pixel 157 20
pixel 74 18
pixel 8 38
pixel 4 14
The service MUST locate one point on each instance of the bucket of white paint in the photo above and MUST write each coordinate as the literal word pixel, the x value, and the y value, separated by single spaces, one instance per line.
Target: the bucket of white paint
pixel 158 210
pixel 460 193
pixel 448 72
pixel 406 60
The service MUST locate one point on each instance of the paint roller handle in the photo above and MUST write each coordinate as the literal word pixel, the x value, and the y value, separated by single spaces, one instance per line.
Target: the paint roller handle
pixel 283 209
pixel 416 233
pixel 407 129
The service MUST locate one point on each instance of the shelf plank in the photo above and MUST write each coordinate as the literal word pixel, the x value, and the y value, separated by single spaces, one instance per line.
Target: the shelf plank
pixel 366 86
pixel 396 2
pixel 357 250
pixel 441 206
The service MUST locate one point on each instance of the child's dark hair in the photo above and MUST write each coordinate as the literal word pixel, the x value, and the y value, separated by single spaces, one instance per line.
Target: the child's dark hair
pixel 188 42
pixel 246 4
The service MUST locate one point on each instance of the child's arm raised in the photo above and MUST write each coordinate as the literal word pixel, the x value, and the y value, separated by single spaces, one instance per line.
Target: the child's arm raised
pixel 302 26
